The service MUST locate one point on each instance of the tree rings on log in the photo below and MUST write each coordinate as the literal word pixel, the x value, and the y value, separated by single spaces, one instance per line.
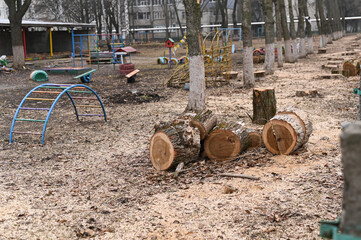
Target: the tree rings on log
pixel 226 141
pixel 352 66
pixel 286 132
pixel 174 143
pixel 255 138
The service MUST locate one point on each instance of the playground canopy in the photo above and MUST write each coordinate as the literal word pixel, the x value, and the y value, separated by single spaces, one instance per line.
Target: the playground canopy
pixel 40 41
pixel 4 22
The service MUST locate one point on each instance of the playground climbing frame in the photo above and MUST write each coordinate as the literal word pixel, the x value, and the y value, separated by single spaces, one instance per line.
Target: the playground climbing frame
pixel 38 99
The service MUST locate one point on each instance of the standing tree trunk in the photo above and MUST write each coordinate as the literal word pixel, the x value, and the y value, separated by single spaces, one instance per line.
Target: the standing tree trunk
pixel 248 76
pixel 279 34
pixel 293 31
pixel 126 19
pixel 286 34
pixel 301 28
pixel 222 5
pixel 264 105
pixel 197 98
pixel 323 25
pixel 330 22
pixel 17 10
pixel 270 52
pixel 178 20
pixel 234 17
pixel 308 28
pixel 351 161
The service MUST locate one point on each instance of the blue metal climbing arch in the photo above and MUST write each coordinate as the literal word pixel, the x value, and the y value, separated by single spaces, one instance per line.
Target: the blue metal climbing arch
pixel 58 90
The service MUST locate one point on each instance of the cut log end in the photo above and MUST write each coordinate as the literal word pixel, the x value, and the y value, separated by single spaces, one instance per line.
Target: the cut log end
pixel 279 137
pixel 222 145
pixel 255 140
pixel 202 130
pixel 161 151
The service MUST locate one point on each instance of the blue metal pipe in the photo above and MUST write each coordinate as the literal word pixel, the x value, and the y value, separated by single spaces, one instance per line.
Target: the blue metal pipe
pixel 65 91
pixel 73 44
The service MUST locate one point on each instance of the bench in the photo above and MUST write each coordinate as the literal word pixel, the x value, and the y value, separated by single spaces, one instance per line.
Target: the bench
pixel 131 76
pixel 85 77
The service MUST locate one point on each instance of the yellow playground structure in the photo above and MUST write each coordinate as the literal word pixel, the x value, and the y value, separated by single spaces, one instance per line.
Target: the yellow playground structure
pixel 217 62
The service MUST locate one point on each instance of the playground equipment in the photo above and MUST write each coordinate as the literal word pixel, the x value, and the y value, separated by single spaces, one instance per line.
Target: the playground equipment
pixel 85 73
pixel 172 45
pixel 91 44
pixel 35 108
pixel 217 62
pixel 39 76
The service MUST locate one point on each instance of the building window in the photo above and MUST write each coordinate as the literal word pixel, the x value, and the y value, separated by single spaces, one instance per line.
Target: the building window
pixel 183 15
pixel 143 2
pixel 157 2
pixel 143 15
pixel 158 15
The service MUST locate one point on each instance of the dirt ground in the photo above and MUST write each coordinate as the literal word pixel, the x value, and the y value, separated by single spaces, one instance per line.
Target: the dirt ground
pixel 94 179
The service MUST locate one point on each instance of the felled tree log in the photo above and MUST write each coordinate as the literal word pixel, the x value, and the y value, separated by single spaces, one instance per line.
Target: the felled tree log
pixel 303 118
pixel 352 66
pixel 226 141
pixel 255 138
pixel 287 131
pixel 264 105
pixel 205 121
pixel 173 143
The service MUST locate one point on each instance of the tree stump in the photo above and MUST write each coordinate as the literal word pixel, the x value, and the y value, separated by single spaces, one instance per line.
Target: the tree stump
pixel 255 138
pixel 352 66
pixel 351 161
pixel 287 131
pixel 226 141
pixel 264 105
pixel 173 143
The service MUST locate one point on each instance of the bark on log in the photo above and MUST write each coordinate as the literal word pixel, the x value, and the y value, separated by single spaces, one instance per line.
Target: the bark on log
pixel 174 142
pixel 255 138
pixel 287 131
pixel 226 141
pixel 205 121
pixel 264 105
pixel 352 66
pixel 351 206
pixel 302 116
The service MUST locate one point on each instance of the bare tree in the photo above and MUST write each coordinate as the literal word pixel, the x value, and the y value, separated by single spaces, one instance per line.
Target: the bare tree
pixel 286 33
pixel 279 34
pixel 270 52
pixel 197 98
pixel 234 16
pixel 308 28
pixel 301 28
pixel 248 77
pixel 177 16
pixel 222 6
pixel 17 10
pixel 323 27
pixel 293 31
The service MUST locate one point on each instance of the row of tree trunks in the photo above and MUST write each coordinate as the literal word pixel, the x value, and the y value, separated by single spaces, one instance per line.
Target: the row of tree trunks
pixel 287 131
